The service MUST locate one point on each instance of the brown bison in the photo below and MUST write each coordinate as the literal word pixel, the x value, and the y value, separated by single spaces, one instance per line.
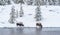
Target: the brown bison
pixel 39 25
pixel 20 24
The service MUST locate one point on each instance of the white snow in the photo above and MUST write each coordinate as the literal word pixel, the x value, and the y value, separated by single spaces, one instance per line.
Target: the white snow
pixel 50 14
pixel 51 18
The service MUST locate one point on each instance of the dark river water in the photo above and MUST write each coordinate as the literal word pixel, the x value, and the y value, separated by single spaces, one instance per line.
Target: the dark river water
pixel 30 31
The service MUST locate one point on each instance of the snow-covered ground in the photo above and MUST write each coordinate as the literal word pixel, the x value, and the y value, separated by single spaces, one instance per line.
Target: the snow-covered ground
pixel 50 15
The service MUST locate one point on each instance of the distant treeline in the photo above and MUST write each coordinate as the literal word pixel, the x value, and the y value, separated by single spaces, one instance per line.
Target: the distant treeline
pixel 31 2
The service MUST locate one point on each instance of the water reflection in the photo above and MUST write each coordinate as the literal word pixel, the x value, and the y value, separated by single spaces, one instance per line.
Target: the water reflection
pixel 19 31
pixel 26 31
pixel 38 31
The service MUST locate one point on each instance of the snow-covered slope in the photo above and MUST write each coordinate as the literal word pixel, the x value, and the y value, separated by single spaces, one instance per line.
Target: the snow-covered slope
pixel 50 14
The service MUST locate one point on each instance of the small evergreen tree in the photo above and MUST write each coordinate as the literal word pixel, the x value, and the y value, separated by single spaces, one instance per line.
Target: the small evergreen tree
pixel 12 15
pixel 21 11
pixel 8 2
pixel 38 14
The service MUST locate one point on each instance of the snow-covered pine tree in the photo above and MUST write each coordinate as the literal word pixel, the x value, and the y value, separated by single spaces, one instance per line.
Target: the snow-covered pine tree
pixel 37 2
pixel 18 1
pixel 12 15
pixel 2 2
pixel 51 2
pixel 57 2
pixel 21 11
pixel 38 14
pixel 30 2
pixel 47 2
pixel 8 2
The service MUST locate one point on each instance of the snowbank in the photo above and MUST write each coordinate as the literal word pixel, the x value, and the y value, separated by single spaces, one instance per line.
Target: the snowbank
pixel 50 15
